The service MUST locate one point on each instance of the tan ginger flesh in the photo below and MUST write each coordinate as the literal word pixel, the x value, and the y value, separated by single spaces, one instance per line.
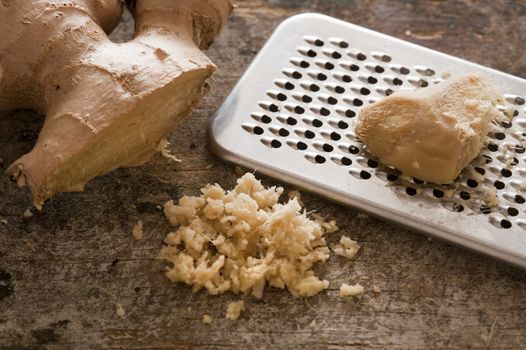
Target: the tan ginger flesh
pixel 432 133
pixel 243 239
pixel 107 105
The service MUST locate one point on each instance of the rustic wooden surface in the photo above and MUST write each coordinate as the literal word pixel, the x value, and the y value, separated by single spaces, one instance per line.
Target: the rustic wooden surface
pixel 63 271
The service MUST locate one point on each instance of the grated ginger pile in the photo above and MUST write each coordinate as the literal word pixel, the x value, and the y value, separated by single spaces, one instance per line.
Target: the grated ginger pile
pixel 243 239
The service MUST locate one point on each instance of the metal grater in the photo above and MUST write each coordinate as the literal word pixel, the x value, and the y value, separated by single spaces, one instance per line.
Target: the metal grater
pixel 291 117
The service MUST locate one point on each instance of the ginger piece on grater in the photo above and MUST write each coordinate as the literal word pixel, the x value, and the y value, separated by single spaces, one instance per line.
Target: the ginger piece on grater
pixel 432 133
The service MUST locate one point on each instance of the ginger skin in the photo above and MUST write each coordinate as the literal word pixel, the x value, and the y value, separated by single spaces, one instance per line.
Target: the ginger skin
pixel 107 105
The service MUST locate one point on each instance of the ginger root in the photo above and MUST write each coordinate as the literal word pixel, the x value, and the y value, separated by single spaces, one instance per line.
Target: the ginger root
pixel 433 133
pixel 107 105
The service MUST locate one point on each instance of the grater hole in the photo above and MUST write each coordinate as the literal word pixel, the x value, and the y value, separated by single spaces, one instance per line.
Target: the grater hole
pixel 519 149
pixel 275 144
pixel 516 100
pixel 457 207
pixel 266 119
pixel 319 43
pixel 314 88
pixel 499 185
pixel 343 44
pixel 335 136
pixel 410 191
pixel 289 86
pixel 258 130
pixel 302 146
pixel 339 90
pixel 354 149
pixel 428 72
pixel 372 163
pixel 283 132
pixel 273 108
pixel 321 77
pixel 297 75
pixel 372 80
pixel 400 69
pixel 361 57
pixel 484 209
pixel 506 172
pixel 336 55
pixel 397 82
pixel 423 83
pixel 417 181
pixel 299 110
pixel 493 147
pixel 380 56
pixel 327 148
pixel 281 97
pixel 354 68
pixel 357 102
pixel 392 177
pixel 324 111
pixel 499 135
pixel 346 78
pixel 304 64
pixel 513 211
pixel 319 159
pixel 365 91
pixel 519 199
pixel 472 183
pixel 309 134
pixel 342 125
pixel 291 121
pixel 328 66
pixel 480 170
pixel 505 224
pixel 365 175
pixel 317 123
pixel 306 99
pixel 465 195
pixel 346 161
pixel 332 101
pixel 379 69
pixel 505 124
pixel 350 113
pixel 312 53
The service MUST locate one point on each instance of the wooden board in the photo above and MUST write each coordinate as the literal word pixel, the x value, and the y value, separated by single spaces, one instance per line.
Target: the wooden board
pixel 63 271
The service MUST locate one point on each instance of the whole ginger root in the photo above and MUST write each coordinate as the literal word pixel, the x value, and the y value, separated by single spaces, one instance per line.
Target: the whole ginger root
pixel 107 105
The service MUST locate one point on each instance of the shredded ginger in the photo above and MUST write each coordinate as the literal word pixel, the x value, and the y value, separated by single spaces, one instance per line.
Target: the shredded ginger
pixel 351 290
pixel 235 309
pixel 207 319
pixel 138 230
pixel 242 240
pixel 347 248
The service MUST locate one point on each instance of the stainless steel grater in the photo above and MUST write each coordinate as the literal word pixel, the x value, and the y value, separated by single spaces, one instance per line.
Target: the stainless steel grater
pixel 291 116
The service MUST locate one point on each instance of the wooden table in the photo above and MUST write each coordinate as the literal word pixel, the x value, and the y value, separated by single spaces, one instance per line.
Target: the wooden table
pixel 63 271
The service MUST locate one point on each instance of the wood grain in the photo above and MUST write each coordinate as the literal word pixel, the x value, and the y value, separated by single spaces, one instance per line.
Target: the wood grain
pixel 63 271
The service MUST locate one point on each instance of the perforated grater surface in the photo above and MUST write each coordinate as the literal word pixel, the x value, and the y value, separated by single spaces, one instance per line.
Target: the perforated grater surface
pixel 292 115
